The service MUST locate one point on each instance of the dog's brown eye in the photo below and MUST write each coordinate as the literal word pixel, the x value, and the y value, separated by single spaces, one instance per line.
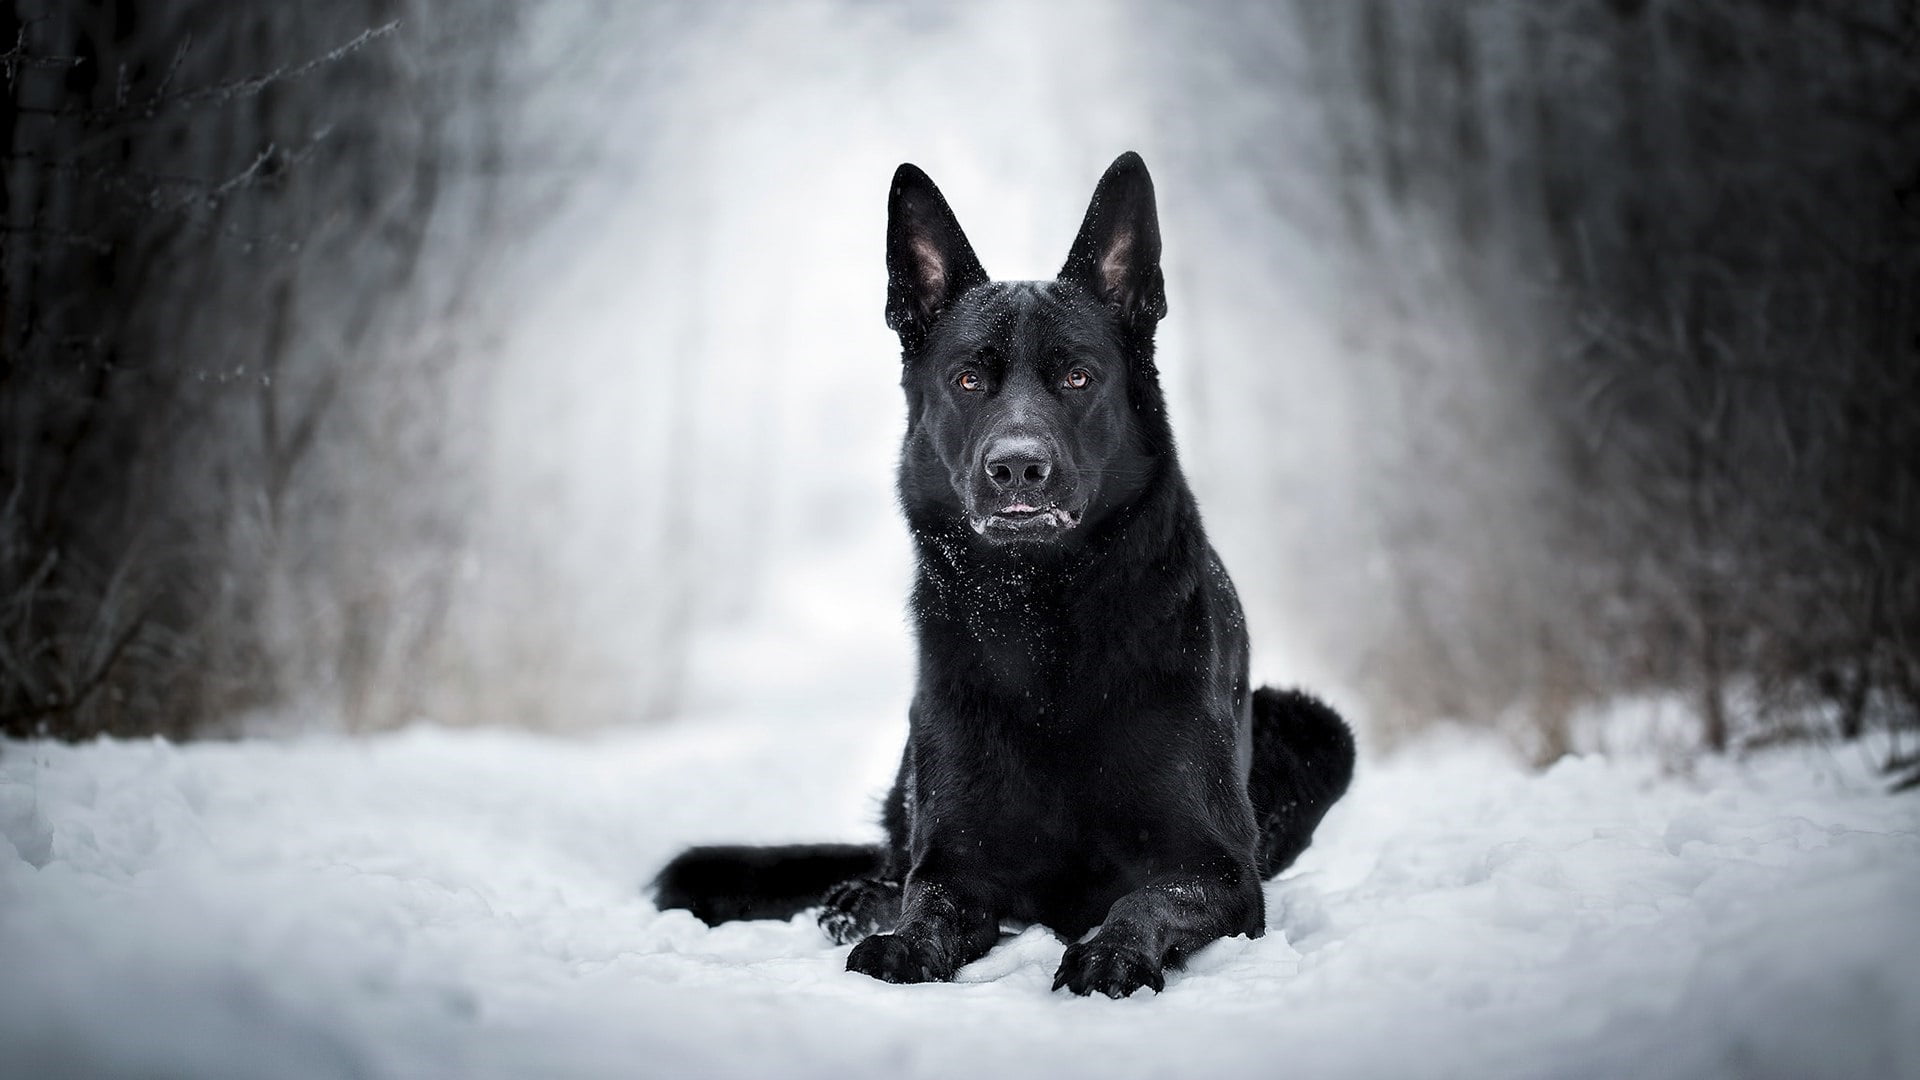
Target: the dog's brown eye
pixel 1077 379
pixel 970 380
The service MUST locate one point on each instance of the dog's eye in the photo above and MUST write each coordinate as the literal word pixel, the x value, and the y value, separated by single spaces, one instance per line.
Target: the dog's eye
pixel 970 381
pixel 1077 379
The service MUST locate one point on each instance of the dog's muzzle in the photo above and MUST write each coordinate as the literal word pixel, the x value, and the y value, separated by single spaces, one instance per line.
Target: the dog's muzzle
pixel 1020 520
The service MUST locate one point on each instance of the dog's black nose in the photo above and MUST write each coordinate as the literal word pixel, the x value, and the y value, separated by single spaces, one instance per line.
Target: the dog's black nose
pixel 1016 463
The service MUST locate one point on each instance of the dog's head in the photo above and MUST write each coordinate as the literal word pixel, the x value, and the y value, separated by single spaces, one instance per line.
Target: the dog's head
pixel 1033 410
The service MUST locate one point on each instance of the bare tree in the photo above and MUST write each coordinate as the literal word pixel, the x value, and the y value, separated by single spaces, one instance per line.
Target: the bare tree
pixel 217 219
pixel 1634 285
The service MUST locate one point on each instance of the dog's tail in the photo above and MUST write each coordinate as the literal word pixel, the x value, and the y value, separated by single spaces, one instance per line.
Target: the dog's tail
pixel 719 884
pixel 1302 763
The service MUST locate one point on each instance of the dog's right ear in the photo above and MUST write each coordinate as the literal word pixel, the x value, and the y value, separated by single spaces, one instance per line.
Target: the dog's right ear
pixel 929 262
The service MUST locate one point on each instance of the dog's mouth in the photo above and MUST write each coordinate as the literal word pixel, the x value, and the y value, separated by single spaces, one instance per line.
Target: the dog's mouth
pixel 1025 520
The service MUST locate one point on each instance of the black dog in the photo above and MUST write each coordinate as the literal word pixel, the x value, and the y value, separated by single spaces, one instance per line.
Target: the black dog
pixel 1084 748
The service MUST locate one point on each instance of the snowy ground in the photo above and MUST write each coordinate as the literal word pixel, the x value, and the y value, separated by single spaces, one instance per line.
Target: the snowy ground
pixel 441 904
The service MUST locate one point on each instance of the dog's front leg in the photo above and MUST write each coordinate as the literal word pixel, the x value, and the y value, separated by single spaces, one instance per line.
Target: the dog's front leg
pixel 943 927
pixel 1160 924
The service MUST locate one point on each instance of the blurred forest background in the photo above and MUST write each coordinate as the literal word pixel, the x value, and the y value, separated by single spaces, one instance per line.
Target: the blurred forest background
pixel 493 362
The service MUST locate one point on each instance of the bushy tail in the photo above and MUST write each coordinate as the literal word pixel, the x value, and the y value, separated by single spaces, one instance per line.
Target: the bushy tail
pixel 719 884
pixel 1302 763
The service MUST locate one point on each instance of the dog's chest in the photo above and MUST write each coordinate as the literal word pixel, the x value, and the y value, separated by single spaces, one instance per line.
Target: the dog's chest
pixel 1063 862
pixel 1037 638
pixel 999 629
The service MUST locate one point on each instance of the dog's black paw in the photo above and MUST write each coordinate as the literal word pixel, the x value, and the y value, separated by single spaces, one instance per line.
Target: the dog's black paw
pixel 895 959
pixel 858 907
pixel 1113 970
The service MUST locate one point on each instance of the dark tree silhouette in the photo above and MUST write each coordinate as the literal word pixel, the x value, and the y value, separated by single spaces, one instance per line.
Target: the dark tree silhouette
pixel 1691 232
pixel 215 218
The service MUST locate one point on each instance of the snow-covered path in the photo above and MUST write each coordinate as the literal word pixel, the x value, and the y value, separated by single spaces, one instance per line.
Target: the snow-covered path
pixel 440 904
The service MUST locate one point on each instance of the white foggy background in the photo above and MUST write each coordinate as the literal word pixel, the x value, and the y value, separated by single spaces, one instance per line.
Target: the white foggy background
pixel 578 306
pixel 519 363
pixel 692 417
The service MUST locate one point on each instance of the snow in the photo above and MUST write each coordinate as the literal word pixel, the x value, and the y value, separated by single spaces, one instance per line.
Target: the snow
pixel 462 904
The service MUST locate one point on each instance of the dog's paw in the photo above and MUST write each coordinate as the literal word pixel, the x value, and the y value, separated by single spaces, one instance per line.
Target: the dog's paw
pixel 856 908
pixel 1113 970
pixel 895 959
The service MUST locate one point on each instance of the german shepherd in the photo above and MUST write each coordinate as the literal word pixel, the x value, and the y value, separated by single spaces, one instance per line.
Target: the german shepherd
pixel 1084 748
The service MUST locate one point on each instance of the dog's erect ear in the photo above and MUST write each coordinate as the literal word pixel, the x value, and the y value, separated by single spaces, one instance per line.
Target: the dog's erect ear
pixel 1117 254
pixel 929 261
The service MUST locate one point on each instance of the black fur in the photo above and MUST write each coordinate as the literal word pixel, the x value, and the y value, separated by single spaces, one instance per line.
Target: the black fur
pixel 720 884
pixel 1084 749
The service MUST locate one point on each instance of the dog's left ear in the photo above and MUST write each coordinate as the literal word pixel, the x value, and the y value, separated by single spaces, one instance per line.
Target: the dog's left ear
pixel 1117 254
